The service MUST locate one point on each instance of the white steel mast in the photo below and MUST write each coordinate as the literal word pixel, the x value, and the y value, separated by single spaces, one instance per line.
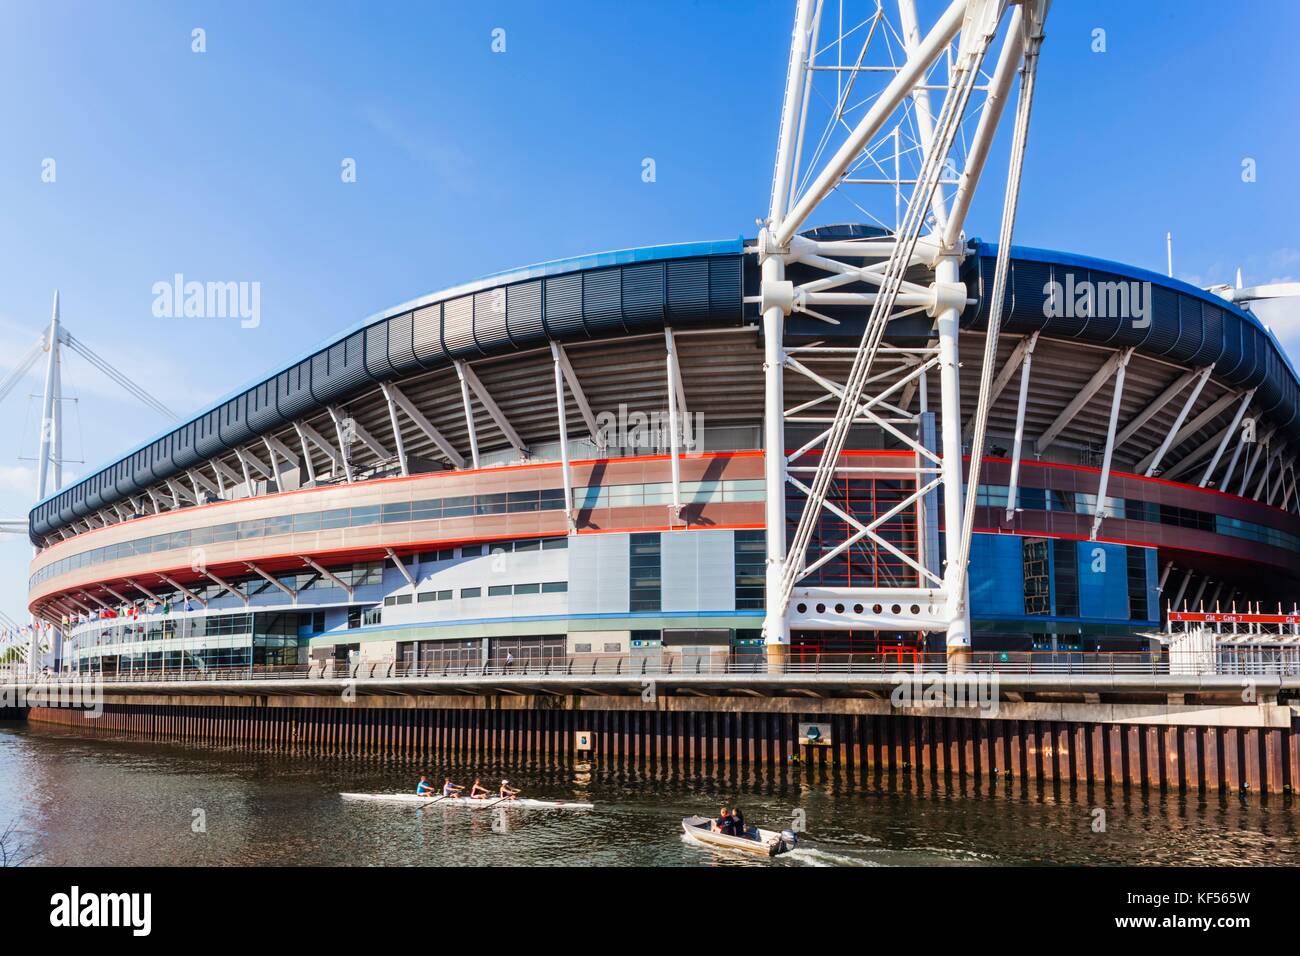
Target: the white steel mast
pixel 859 130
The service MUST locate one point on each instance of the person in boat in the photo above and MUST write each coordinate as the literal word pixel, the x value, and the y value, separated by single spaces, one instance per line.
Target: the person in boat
pixel 738 821
pixel 424 788
pixel 450 789
pixel 507 792
pixel 478 791
pixel 724 824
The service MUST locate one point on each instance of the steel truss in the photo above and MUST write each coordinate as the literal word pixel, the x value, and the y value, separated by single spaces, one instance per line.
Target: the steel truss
pixel 866 75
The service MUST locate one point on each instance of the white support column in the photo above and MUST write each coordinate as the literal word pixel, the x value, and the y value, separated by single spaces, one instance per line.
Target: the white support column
pixel 579 396
pixel 953 468
pixel 561 414
pixel 422 422
pixel 331 576
pixel 1027 361
pixel 228 587
pixel 469 414
pixel 190 595
pixel 51 448
pixel 673 431
pixel 1080 399
pixel 1227 436
pixel 1177 603
pixel 1164 576
pixel 470 377
pixel 1160 401
pixel 397 430
pixel 776 624
pixel 1153 462
pixel 1103 484
pixel 275 465
pixel 345 454
pixel 1200 593
pixel 248 477
pixel 306 453
pixel 292 594
pixel 1003 379
pixel 1252 459
pixel 398 563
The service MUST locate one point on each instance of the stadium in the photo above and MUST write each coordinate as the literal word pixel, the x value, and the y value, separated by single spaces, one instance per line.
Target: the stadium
pixel 569 459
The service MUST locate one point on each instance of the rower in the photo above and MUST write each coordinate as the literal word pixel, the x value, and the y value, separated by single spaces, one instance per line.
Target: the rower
pixel 506 793
pixel 424 788
pixel 450 789
pixel 478 791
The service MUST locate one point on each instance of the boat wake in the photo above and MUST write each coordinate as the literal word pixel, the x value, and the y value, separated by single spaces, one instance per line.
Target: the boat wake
pixel 811 856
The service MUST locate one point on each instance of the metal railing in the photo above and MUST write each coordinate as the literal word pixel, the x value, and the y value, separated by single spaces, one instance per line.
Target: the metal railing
pixel 661 664
pixel 669 663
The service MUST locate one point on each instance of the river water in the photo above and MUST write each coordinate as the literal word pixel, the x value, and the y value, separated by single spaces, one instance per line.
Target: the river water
pixel 76 800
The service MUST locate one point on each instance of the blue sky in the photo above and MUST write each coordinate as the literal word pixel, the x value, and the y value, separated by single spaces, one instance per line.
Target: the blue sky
pixel 226 165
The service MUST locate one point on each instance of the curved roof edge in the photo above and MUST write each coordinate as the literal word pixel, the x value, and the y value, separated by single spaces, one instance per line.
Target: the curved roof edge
pixel 553 267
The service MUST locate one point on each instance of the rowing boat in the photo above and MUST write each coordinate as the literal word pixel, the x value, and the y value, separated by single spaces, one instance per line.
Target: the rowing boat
pixel 757 840
pixel 474 803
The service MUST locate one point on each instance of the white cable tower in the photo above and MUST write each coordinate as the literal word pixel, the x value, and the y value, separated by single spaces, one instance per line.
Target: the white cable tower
pixel 862 135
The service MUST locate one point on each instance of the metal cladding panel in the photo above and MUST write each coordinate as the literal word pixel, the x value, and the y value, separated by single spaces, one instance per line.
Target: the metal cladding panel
pixel 563 316
pixel 401 351
pixel 161 464
pixel 124 476
pixel 602 305
pixel 490 333
pixel 688 290
pixel 1190 333
pixel 1069 314
pixel 1230 363
pixel 1110 309
pixel 1163 334
pixel 183 452
pixel 1270 394
pixel 726 287
pixel 599 569
pixel 643 295
pixel 1027 290
pixel 141 468
pixel 207 436
pixel 458 327
pixel 293 391
pixel 699 571
pixel 94 493
pixel 340 370
pixel 426 335
pixel 233 423
pixel 63 513
pixel 263 413
pixel 377 365
pixel 524 313
pixel 1211 349
pixel 69 509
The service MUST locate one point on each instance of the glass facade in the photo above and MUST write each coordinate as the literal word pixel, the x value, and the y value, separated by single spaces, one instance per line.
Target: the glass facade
pixel 646 578
pixel 1046 499
pixel 463 506
pixel 750 551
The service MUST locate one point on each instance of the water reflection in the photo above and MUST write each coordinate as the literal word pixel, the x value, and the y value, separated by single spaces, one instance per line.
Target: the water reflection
pixel 117 802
